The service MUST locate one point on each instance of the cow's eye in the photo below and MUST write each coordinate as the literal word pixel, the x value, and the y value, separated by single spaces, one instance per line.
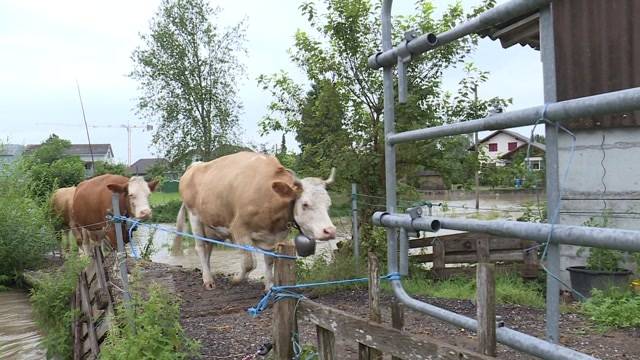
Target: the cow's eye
pixel 305 206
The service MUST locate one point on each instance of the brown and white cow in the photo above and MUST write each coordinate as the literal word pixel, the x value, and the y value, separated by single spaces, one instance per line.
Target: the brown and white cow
pixel 251 199
pixel 62 203
pixel 92 203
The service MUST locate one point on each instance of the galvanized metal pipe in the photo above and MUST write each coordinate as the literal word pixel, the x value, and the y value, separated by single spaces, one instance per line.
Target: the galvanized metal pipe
pixel 548 56
pixel 512 338
pixel 616 102
pixel 517 340
pixel 426 42
pixel 404 252
pixel 625 240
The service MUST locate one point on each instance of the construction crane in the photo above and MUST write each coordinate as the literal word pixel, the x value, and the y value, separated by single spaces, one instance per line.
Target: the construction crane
pixel 128 126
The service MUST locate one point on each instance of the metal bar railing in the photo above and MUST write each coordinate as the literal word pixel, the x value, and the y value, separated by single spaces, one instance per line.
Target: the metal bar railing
pixel 621 101
pixel 517 340
pixel 625 240
pixel 429 41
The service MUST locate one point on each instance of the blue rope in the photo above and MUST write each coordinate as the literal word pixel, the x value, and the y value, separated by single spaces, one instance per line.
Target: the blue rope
pixel 132 243
pixel 202 238
pixel 277 293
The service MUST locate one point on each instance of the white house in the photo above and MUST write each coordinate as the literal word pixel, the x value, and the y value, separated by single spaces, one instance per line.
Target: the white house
pixel 101 152
pixel 500 146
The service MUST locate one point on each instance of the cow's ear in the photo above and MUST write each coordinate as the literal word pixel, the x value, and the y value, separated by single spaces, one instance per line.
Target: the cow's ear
pixel 117 188
pixel 152 185
pixel 283 189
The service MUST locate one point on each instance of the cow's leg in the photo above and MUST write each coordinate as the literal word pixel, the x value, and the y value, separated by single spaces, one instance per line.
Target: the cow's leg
pixel 248 264
pixel 268 272
pixel 203 249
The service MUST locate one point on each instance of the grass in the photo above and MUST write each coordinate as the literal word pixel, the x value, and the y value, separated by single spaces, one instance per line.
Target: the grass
pixel 613 308
pixel 160 198
pixel 510 289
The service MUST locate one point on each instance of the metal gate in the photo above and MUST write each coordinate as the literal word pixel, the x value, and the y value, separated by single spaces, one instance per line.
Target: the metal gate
pixel 553 113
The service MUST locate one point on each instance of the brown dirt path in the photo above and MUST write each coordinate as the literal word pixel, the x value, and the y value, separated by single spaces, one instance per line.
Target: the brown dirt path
pixel 218 319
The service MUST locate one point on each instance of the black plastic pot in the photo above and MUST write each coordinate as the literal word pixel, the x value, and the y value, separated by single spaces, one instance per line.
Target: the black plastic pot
pixel 584 280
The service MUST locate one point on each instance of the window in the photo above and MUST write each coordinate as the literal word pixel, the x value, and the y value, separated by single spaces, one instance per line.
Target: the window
pixel 493 147
pixel 513 146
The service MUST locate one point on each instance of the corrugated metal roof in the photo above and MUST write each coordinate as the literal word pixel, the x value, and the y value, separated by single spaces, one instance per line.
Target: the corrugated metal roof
pixel 80 149
pixel 523 30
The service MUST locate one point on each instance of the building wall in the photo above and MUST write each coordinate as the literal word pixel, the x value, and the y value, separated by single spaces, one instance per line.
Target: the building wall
pixel 502 140
pixel 597 165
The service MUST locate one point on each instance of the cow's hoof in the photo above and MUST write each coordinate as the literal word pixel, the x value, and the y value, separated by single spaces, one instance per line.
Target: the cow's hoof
pixel 237 280
pixel 209 285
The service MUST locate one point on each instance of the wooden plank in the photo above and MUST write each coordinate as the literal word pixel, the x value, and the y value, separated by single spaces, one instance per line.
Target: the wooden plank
pixel 284 310
pixel 326 344
pixel 467 242
pixel 375 314
pixel 103 297
pixel 86 309
pixel 486 308
pixel 483 249
pixel 388 340
pixel 469 258
pixel 530 266
pixel 397 318
pixel 364 352
pixel 102 329
pixel 438 258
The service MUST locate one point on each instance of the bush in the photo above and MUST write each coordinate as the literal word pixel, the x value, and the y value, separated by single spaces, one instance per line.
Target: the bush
pixel 149 329
pixel 166 212
pixel 614 308
pixel 51 300
pixel 108 168
pixel 26 232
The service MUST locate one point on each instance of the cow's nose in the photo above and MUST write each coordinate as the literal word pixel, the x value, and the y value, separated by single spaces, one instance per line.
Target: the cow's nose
pixel 329 232
pixel 145 214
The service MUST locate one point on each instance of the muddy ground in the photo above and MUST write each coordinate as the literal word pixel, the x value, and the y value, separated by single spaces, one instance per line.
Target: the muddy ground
pixel 219 321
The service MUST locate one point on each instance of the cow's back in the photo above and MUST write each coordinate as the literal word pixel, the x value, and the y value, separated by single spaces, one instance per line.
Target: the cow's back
pixel 237 188
pixel 63 202
pixel 92 200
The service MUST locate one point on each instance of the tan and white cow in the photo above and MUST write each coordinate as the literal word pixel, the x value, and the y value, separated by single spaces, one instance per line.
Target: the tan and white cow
pixel 62 203
pixel 251 199
pixel 92 203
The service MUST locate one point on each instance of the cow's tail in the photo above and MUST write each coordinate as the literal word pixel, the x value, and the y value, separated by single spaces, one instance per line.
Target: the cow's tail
pixel 176 249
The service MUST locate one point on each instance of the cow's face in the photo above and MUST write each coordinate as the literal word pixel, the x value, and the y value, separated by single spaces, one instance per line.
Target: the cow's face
pixel 311 209
pixel 137 191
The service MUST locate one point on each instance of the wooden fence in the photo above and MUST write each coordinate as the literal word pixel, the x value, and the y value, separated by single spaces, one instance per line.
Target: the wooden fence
pixel 93 303
pixel 462 248
pixel 373 337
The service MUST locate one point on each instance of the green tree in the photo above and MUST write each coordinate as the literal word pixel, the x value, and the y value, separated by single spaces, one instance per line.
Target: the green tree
pixel 339 121
pixel 103 167
pixel 188 70
pixel 48 168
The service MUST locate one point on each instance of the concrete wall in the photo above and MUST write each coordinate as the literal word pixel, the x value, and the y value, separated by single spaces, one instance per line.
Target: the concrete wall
pixel 613 165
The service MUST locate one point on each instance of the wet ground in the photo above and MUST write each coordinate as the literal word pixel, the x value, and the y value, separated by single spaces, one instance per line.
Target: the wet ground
pixel 19 336
pixel 218 319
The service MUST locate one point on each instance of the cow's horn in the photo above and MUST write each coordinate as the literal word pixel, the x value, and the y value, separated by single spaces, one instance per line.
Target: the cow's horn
pixel 331 178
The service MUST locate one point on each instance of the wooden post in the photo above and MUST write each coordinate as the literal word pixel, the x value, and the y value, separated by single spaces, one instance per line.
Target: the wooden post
pixel 284 316
pixel 326 344
pixel 121 255
pixel 486 308
pixel 483 250
pixel 374 306
pixel 397 318
pixel 438 258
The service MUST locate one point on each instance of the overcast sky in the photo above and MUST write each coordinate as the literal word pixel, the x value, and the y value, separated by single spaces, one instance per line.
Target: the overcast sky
pixel 48 45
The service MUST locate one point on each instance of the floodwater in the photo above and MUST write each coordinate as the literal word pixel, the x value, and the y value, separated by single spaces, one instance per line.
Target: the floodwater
pixel 223 260
pixel 19 335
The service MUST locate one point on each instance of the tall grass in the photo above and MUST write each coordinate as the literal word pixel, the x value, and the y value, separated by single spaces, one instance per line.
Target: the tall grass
pixel 50 298
pixel 26 230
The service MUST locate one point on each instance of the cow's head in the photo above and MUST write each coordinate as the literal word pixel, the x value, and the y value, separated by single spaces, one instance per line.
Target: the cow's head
pixel 311 207
pixel 137 192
